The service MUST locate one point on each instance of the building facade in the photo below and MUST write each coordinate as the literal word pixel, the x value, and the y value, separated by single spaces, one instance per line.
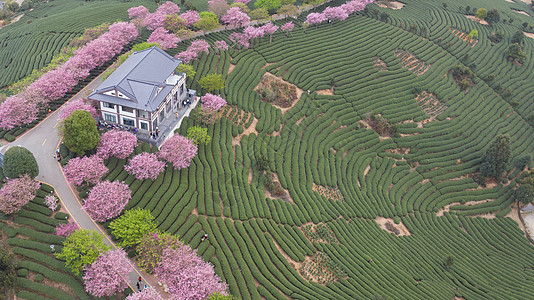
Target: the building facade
pixel 143 91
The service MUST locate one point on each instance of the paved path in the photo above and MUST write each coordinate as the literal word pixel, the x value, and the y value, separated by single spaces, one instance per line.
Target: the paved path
pixel 42 141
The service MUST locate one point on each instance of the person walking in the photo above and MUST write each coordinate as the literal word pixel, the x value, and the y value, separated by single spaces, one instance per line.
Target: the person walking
pixel 204 237
pixel 138 285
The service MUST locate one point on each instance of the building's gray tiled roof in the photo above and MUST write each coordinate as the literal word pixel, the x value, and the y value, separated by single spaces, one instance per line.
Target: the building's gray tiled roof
pixel 139 78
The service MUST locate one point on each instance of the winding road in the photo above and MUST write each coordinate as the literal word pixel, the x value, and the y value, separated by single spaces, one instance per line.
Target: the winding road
pixel 42 141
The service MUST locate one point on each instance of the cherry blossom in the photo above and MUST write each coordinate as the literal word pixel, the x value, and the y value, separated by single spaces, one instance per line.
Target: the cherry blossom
pixel 287 27
pixel 199 46
pixel 163 38
pixel 51 201
pixel 335 13
pixel 66 229
pixel 89 169
pixel 315 18
pixel 16 110
pixel 15 193
pixel 168 8
pixel 220 46
pixel 108 274
pixel 269 29
pixel 78 104
pixel 212 102
pixel 187 275
pixel 138 12
pixel 235 17
pixel 116 143
pixel 107 200
pixel 239 39
pixel 146 294
pixel 179 151
pixel 187 56
pixel 190 17
pixel 144 166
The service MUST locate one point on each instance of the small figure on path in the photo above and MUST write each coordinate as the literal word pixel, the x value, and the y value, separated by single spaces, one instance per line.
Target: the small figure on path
pixel 140 279
pixel 176 115
pixel 370 260
pixel 138 286
pixel 53 248
pixel 204 237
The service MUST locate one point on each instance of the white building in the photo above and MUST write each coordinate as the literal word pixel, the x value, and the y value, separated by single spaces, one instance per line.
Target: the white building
pixel 143 91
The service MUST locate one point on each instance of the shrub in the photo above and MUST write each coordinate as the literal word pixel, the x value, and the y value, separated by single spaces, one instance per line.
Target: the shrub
pixel 19 161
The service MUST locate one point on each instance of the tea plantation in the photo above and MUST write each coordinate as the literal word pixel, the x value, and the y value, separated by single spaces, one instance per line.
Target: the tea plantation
pixel 28 235
pixel 31 42
pixel 342 178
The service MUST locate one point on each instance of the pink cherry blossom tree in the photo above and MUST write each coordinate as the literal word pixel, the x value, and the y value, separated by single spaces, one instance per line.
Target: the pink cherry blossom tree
pixel 242 1
pixel 108 274
pixel 235 17
pixel 218 7
pixel 269 29
pixel 168 8
pixel 55 83
pixel 116 143
pixel 287 28
pixel 315 19
pixel 212 102
pixel 15 193
pixel 146 294
pixel 66 229
pixel 88 169
pixel 78 104
pixel 16 110
pixel 145 165
pixel 190 17
pixel 335 13
pixel 51 201
pixel 138 12
pixel 187 56
pixel 353 6
pixel 107 200
pixel 179 151
pixel 252 33
pixel 199 46
pixel 187 275
pixel 163 38
pixel 154 20
pixel 220 46
pixel 239 40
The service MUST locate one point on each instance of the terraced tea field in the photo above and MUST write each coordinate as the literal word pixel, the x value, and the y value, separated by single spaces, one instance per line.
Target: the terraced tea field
pixel 31 42
pixel 324 240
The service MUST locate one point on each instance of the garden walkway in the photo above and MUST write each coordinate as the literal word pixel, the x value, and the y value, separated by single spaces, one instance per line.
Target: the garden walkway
pixel 42 141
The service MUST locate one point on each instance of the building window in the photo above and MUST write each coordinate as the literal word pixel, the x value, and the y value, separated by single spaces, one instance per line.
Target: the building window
pixel 129 122
pixel 110 118
pixel 108 105
pixel 127 109
pixel 144 125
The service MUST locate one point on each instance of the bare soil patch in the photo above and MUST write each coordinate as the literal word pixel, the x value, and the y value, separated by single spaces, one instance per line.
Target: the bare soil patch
pixel 473 18
pixel 389 225
pixel 530 35
pixel 329 92
pixel 250 175
pixel 412 63
pixel 447 207
pixel 278 92
pixel 321 268
pixel 379 64
pixel 527 1
pixel 319 233
pixel 463 36
pixel 231 68
pixel 247 131
pixel 328 192
pixel 273 188
pixel 521 12
pixel 390 4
